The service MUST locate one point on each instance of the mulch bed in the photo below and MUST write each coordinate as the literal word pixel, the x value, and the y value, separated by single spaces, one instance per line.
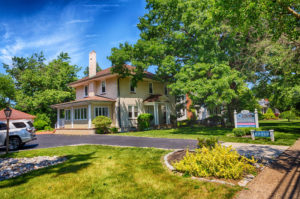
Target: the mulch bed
pixel 45 132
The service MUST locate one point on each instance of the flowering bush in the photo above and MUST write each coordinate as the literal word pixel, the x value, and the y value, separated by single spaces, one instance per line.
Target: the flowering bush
pixel 220 161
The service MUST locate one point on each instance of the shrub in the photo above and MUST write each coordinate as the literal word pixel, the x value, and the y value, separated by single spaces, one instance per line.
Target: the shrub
pixel 220 161
pixel 269 114
pixel 113 130
pixel 144 120
pixel 102 123
pixel 207 142
pixel 239 132
pixel 289 115
pixel 41 121
pixel 48 128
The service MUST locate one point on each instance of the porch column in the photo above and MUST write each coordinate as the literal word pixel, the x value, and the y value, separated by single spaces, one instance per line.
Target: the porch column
pixel 90 115
pixel 58 118
pixel 167 114
pixel 72 117
pixel 156 117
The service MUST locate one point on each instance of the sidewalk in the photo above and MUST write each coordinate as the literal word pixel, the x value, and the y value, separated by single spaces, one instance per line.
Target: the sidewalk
pixel 280 180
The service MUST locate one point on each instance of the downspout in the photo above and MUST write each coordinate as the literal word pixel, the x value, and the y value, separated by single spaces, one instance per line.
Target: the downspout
pixel 119 104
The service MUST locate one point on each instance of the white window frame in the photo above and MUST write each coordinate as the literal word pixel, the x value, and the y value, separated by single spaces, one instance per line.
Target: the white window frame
pixel 86 94
pixel 104 81
pixel 130 88
pixel 150 83
pixel 68 112
pixel 80 112
pixel 101 107
pixel 133 111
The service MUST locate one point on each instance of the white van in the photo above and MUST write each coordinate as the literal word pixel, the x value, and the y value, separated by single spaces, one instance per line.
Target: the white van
pixel 20 132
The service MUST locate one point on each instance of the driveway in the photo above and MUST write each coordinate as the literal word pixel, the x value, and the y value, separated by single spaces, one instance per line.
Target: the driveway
pixel 55 140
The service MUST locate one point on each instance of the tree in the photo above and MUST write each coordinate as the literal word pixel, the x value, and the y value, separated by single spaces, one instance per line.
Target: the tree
pixel 191 49
pixel 86 71
pixel 7 90
pixel 39 85
pixel 274 17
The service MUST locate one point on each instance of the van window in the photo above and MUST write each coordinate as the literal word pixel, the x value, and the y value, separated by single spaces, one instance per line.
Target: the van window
pixel 2 126
pixel 30 124
pixel 19 125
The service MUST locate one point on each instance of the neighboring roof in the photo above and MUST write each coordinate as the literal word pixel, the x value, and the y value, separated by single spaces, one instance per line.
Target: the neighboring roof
pixel 86 99
pixel 16 115
pixel 107 71
pixel 152 98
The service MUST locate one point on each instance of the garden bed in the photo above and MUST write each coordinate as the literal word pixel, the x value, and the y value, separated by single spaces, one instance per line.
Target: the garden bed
pixel 176 156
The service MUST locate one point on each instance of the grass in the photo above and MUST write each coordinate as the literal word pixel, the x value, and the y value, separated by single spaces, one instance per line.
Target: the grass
pixel 286 133
pixel 94 171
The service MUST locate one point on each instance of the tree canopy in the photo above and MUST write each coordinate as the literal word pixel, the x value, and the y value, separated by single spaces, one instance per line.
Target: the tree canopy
pixel 39 85
pixel 7 90
pixel 216 47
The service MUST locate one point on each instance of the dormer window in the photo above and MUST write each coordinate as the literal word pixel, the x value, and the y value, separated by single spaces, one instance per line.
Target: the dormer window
pixel 86 91
pixel 103 87
pixel 132 88
pixel 150 88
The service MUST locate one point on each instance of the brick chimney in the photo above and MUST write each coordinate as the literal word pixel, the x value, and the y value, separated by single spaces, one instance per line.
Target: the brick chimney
pixel 92 64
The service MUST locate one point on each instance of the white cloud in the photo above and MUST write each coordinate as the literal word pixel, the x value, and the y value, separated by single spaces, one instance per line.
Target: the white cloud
pixel 77 21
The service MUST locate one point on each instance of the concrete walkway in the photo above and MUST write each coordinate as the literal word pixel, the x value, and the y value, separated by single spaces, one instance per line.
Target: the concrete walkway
pixel 280 180
pixel 54 140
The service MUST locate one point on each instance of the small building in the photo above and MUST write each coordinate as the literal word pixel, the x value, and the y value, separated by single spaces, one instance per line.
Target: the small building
pixel 16 115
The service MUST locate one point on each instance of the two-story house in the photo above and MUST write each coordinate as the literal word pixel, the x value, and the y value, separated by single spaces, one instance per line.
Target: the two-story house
pixel 106 93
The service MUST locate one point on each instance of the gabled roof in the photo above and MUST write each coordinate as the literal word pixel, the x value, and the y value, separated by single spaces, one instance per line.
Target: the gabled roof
pixel 107 71
pixel 86 99
pixel 16 115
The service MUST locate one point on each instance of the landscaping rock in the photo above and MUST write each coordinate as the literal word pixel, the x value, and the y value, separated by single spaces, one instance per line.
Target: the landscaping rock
pixel 12 167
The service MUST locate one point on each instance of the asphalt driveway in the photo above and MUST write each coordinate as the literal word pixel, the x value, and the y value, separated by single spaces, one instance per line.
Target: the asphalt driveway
pixel 54 140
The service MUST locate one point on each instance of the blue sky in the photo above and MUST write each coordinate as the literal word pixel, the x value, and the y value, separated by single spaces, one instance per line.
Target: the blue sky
pixel 76 27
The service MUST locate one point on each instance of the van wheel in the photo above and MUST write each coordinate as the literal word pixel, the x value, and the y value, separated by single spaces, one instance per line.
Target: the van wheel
pixel 14 143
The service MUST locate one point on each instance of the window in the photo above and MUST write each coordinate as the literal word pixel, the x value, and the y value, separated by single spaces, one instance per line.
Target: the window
pixel 80 113
pixel 3 126
pixel 132 88
pixel 19 125
pixel 132 112
pixel 166 90
pixel 101 111
pixel 30 124
pixel 67 114
pixel 86 91
pixel 103 87
pixel 150 88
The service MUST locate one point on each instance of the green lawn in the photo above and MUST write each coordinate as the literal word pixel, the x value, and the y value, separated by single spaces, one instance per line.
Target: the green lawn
pixel 93 171
pixel 286 133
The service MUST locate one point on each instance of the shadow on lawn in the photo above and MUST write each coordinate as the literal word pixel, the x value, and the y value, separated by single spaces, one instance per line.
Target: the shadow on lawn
pixel 73 164
pixel 212 131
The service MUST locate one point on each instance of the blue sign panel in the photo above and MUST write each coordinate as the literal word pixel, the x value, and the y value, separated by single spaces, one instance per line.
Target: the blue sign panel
pixel 262 133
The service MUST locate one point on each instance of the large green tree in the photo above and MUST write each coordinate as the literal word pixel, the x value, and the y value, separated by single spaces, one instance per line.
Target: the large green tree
pixel 191 49
pixel 178 36
pixel 39 85
pixel 7 90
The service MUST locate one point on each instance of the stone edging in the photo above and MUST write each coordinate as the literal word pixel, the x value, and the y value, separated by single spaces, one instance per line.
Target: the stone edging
pixel 242 182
